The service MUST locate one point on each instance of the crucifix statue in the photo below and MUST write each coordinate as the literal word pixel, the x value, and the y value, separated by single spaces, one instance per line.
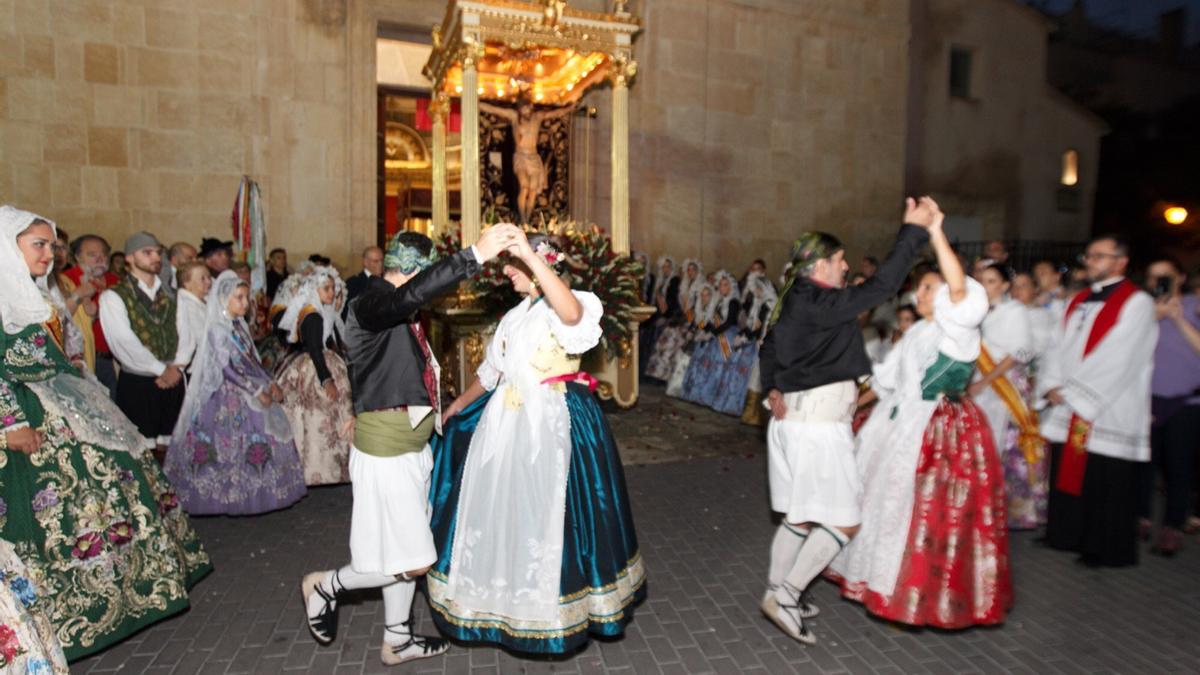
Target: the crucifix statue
pixel 527 163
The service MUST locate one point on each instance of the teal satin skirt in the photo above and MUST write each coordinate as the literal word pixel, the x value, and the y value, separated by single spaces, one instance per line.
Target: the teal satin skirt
pixel 602 573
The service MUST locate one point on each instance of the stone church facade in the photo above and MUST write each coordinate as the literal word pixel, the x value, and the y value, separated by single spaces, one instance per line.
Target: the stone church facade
pixel 751 120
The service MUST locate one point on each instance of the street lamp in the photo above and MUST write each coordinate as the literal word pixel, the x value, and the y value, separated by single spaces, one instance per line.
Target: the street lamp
pixel 1175 215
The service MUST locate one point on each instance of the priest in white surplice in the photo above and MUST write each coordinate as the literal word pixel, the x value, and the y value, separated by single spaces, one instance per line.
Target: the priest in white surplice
pixel 1097 378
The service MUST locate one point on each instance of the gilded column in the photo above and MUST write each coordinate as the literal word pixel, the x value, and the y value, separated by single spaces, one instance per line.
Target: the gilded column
pixel 440 107
pixel 471 207
pixel 623 70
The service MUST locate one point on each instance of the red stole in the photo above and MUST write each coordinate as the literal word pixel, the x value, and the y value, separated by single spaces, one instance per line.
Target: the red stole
pixel 1073 462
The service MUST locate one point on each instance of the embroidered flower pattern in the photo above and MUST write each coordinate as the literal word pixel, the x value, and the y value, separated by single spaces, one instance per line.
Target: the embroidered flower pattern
pixel 88 545
pixel 46 498
pixel 10 647
pixel 120 533
pixel 167 502
pixel 203 454
pixel 23 590
pixel 258 454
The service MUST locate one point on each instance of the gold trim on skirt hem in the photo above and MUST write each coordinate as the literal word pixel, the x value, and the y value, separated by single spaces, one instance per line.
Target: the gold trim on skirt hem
pixel 605 604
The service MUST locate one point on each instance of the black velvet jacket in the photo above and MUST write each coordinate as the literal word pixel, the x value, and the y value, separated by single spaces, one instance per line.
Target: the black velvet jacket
pixel 384 359
pixel 817 340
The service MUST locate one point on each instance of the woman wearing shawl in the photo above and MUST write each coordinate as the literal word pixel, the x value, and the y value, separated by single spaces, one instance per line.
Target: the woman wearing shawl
pixel 90 513
pixel 708 362
pixel 536 542
pixel 315 383
pixel 674 335
pixel 665 299
pixel 697 333
pixel 232 450
pixel 273 348
pixel 741 373
pixel 933 547
pixel 1004 390
pixel 647 277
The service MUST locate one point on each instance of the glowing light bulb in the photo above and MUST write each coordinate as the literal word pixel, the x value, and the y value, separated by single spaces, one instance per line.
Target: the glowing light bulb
pixel 481 91
pixel 1175 215
pixel 500 92
pixel 458 89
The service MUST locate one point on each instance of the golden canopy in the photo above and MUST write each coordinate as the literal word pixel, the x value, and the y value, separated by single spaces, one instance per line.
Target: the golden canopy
pixel 548 51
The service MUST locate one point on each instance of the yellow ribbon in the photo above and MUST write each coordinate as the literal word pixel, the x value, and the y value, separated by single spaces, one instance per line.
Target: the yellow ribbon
pixel 1030 441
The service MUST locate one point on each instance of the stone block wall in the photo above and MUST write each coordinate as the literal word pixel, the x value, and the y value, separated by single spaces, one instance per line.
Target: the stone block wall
pixel 117 116
pixel 751 120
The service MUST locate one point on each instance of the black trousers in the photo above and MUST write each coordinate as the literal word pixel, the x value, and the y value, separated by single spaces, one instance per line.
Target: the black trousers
pixel 151 409
pixel 1173 448
pixel 1101 523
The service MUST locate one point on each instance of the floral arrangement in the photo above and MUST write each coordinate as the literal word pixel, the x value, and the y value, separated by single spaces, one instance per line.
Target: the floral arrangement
pixel 587 260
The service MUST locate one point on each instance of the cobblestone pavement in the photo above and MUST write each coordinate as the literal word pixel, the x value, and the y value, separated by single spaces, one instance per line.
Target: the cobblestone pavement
pixel 704 527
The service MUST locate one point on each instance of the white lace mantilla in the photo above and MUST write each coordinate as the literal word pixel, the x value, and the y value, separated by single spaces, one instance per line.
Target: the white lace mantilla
pixel 89 413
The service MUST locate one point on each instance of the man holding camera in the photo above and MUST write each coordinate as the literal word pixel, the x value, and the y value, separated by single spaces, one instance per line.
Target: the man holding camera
pixel 1176 403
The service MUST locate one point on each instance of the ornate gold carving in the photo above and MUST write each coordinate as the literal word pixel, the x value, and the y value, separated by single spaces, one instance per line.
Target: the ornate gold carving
pixel 473 347
pixel 439 107
pixel 472 52
pixel 552 12
pixel 622 70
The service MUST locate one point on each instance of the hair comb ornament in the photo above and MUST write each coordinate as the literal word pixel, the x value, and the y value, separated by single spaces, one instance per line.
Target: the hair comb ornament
pixel 549 255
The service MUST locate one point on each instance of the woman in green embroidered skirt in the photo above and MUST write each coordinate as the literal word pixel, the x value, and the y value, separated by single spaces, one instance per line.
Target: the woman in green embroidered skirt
pixel 92 516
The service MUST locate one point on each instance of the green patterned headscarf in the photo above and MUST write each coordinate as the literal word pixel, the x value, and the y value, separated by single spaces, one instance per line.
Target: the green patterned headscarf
pixel 806 251
pixel 407 259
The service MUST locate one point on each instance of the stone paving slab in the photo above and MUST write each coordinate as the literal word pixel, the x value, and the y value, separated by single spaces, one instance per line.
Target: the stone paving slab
pixel 704 527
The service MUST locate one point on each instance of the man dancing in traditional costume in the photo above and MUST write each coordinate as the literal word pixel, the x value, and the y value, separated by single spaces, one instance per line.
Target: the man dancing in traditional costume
pixel 1097 376
pixel 810 361
pixel 394 382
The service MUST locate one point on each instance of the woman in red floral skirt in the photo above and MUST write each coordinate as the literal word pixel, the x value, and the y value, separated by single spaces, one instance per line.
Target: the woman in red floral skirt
pixel 933 549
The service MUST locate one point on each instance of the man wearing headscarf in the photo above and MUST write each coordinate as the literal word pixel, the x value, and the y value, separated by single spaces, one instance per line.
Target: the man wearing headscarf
pixel 394 383
pixel 810 361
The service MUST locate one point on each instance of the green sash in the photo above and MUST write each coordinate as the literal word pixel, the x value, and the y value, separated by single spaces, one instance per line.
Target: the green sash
pixel 389 433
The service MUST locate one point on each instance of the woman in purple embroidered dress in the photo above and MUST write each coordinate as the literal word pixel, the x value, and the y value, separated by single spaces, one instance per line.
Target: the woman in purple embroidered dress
pixel 232 451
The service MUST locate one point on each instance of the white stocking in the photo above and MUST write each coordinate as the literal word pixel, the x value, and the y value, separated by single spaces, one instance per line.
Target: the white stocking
pixel 397 611
pixel 784 548
pixel 822 547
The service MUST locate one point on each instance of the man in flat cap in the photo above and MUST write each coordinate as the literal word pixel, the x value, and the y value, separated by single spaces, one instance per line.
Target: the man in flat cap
pixel 140 323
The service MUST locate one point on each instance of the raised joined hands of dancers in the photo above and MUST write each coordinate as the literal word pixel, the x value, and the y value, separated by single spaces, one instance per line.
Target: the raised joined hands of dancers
pixel 498 238
pixel 923 212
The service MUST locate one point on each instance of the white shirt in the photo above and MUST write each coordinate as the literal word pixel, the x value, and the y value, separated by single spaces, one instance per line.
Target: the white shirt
pixel 125 345
pixel 1110 387
pixel 418 413
pixel 191 321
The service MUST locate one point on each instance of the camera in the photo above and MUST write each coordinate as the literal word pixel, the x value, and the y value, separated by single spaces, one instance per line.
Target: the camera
pixel 1163 287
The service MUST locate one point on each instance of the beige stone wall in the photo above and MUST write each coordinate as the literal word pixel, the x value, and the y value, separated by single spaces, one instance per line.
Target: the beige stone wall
pixel 118 116
pixel 996 156
pixel 751 119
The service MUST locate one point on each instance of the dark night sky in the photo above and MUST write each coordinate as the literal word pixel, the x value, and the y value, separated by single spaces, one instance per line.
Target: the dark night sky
pixel 1139 17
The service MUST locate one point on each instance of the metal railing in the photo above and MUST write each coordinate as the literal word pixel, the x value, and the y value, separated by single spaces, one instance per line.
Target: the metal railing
pixel 1023 254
